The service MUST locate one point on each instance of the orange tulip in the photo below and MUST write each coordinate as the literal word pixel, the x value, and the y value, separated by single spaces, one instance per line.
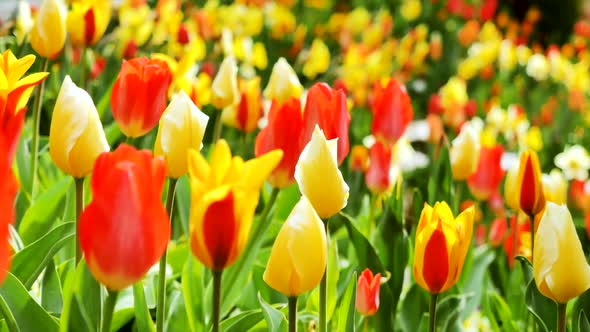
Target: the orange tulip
pixel 359 158
pixel 125 229
pixel 138 98
pixel 367 293
pixel 529 184
pixel 378 177
pixel 488 175
pixel 392 111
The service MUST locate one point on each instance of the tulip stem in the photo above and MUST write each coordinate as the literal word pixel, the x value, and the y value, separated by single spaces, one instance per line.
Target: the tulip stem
pixel 216 299
pixel 561 317
pixel 293 314
pixel 161 305
pixel 109 307
pixel 217 127
pixel 532 219
pixel 36 128
pixel 79 207
pixel 432 313
pixel 324 289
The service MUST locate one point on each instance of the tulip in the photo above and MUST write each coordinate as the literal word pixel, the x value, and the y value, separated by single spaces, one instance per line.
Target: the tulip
pixel 442 242
pixel 488 175
pixel 88 21
pixel 378 177
pixel 465 152
pixel 126 206
pixel 318 60
pixel 554 187
pixel 510 194
pixel 518 240
pixel 327 108
pixel 8 191
pixel 284 131
pixel 367 293
pixel 318 176
pixel 138 98
pixel 48 35
pixel 76 137
pixel 282 83
pixel 245 115
pixel 392 111
pixel 579 194
pixel 498 231
pixel 529 184
pixel 299 254
pixel 359 158
pixel 224 88
pixel 560 267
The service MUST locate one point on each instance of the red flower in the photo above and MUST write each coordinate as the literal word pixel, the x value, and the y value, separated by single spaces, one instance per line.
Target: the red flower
pixel 579 195
pixel 488 175
pixel 367 293
pixel 327 108
pixel 125 229
pixel 498 231
pixel 378 177
pixel 138 98
pixel 284 131
pixel 510 239
pixel 434 104
pixel 8 191
pixel 392 111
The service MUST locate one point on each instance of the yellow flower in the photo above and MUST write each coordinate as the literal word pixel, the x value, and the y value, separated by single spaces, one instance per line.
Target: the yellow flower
pixel 298 257
pixel 283 82
pixel 453 93
pixel 48 36
pixel 224 89
pixel 24 21
pixel 442 243
pixel 88 20
pixel 560 267
pixel 182 128
pixel 411 9
pixel 280 20
pixel 555 187
pixel 245 115
pixel 318 59
pixel 465 152
pixel 76 137
pixel 534 139
pixel 510 192
pixel 318 176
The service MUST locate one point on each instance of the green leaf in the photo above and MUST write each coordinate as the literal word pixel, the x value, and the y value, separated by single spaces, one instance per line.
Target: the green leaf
pixel 440 183
pixel 415 303
pixel 583 323
pixel 347 308
pixel 527 268
pixel 542 308
pixel 242 322
pixel 28 263
pixel 581 308
pixel 193 290
pixel 474 281
pixel 143 320
pixel 448 310
pixel 27 313
pixel 82 301
pixel 500 310
pixel 51 298
pixel 176 319
pixel 275 319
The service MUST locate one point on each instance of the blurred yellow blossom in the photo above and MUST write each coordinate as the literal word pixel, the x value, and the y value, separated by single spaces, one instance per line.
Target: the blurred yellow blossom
pixel 318 59
pixel 411 9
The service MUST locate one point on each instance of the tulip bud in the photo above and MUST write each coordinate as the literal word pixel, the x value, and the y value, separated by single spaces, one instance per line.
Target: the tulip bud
pixel 367 293
pixel 560 267
pixel 318 59
pixel 555 187
pixel 318 175
pixel 88 21
pixel 182 128
pixel 48 36
pixel 76 137
pixel 465 152
pixel 224 88
pixel 529 185
pixel 299 254
pixel 283 82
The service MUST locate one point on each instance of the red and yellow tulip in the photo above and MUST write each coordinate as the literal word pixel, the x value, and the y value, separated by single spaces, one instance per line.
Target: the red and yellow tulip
pixel 529 184
pixel 88 21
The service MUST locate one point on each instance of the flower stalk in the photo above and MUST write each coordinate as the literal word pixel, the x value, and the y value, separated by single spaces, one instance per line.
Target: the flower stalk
pixel 36 127
pixel 293 314
pixel 216 299
pixel 432 313
pixel 79 207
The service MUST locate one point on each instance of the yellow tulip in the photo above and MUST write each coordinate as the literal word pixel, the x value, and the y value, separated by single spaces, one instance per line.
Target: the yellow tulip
pixel 283 83
pixel 224 89
pixel 555 187
pixel 465 152
pixel 48 35
pixel 298 257
pixel 510 192
pixel 88 21
pixel 182 127
pixel 76 137
pixel 24 21
pixel 529 186
pixel 560 267
pixel 318 176
pixel 224 196
pixel 318 60
pixel 442 243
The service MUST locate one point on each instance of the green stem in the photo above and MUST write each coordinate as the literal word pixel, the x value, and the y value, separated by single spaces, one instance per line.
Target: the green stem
pixel 8 316
pixel 366 324
pixel 324 290
pixel 161 305
pixel 109 307
pixel 372 203
pixel 561 317
pixel 79 207
pixel 216 299
pixel 36 128
pixel 83 69
pixel 532 220
pixel 293 314
pixel 432 313
pixel 129 140
pixel 217 127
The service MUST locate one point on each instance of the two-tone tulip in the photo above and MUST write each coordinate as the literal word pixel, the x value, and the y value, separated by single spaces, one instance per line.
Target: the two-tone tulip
pixel 48 35
pixel 392 111
pixel 88 21
pixel 224 89
pixel 442 242
pixel 529 184
pixel 488 175
pixel 181 129
pixel 126 206
pixel 367 293
pixel 245 115
pixel 283 83
pixel 299 254
pixel 465 152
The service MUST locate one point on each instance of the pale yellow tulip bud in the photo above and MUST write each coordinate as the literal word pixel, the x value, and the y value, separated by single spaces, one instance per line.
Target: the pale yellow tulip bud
pixel 283 82
pixel 224 89
pixel 48 35
pixel 555 187
pixel 465 152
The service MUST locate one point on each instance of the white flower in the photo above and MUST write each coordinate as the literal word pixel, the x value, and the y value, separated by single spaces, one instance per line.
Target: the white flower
pixel 574 162
pixel 538 67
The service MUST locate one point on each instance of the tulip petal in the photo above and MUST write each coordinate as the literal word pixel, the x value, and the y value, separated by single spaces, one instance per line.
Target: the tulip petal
pixel 436 260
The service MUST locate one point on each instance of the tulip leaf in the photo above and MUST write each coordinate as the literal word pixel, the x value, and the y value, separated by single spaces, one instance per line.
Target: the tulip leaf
pixel 192 290
pixel 28 263
pixel 51 298
pixel 242 322
pixel 583 323
pixel 28 315
pixel 347 309
pixel 440 183
pixel 527 268
pixel 143 320
pixel 500 311
pixel 581 309
pixel 542 308
pixel 473 278
pixel 448 310
pixel 275 319
pixel 414 304
pixel 177 319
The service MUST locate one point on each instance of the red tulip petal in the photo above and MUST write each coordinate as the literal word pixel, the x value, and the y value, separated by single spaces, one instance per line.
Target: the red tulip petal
pixel 219 228
pixel 436 260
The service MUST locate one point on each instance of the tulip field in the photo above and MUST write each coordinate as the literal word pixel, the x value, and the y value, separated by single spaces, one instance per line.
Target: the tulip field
pixel 294 165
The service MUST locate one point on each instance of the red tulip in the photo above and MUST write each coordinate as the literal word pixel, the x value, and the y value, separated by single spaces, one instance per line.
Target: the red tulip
pixel 498 231
pixel 392 111
pixel 284 131
pixel 11 125
pixel 138 98
pixel 579 195
pixel 125 229
pixel 378 177
pixel 488 175
pixel 8 191
pixel 367 293
pixel 327 108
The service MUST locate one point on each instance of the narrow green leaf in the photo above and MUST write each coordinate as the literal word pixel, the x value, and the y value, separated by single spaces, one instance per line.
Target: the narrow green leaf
pixel 542 308
pixel 192 290
pixel 347 309
pixel 583 323
pixel 176 319
pixel 244 321
pixel 413 306
pixel 9 322
pixel 82 301
pixel 275 319
pixel 142 314
pixel 582 305
pixel 474 278
pixel 51 298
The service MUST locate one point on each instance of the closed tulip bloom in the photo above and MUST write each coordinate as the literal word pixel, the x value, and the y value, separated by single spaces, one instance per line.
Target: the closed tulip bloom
pixel 529 184
pixel 299 254
pixel 510 193
pixel 138 98
pixel 88 21
pixel 318 176
pixel 555 187
pixel 224 89
pixel 392 111
pixel 442 242
pixel 283 83
pixel 125 228
pixel 560 267
pixel 48 35
pixel 378 177
pixel 224 196
pixel 367 293
pixel 245 115
pixel 488 175
pixel 76 137
pixel 327 108
pixel 284 131
pixel 465 152
pixel 182 128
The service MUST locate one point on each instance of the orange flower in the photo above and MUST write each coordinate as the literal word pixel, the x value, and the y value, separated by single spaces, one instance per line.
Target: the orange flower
pixel 378 176
pixel 359 158
pixel 138 98
pixel 392 111
pixel 284 131
pixel 522 231
pixel 126 206
pixel 529 184
pixel 367 293
pixel 580 194
pixel 8 191
pixel 488 175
